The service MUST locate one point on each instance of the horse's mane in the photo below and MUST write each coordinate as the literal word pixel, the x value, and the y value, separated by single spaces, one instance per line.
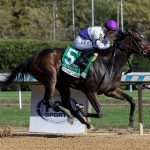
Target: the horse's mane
pixel 119 36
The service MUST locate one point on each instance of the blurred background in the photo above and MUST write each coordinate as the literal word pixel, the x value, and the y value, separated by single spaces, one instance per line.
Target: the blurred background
pixel 26 26
pixel 61 19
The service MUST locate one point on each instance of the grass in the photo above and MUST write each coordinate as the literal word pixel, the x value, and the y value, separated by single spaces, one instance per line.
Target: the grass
pixel 14 116
pixel 118 117
pixel 12 97
pixel 134 94
pixel 114 116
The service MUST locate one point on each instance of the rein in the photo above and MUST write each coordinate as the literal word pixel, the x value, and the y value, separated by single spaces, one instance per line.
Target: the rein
pixel 113 58
pixel 130 68
pixel 130 48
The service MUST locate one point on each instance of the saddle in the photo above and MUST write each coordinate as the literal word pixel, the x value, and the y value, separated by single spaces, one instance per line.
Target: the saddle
pixel 82 60
pixel 70 63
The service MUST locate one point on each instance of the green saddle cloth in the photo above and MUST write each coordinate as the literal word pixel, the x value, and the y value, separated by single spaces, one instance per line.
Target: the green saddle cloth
pixel 68 66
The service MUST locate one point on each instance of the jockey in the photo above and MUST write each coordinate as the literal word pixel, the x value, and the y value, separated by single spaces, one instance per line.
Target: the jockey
pixel 92 38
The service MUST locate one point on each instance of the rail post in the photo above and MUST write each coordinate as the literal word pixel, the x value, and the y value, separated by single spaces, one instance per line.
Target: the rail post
pixel 140 109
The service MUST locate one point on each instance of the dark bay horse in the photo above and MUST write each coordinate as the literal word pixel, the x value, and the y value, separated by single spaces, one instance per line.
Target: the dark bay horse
pixel 103 78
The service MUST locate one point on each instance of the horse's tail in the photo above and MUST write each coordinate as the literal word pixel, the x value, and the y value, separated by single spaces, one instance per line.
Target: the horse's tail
pixel 22 68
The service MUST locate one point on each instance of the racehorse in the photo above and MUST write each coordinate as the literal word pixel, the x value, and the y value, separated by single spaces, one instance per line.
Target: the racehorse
pixel 103 77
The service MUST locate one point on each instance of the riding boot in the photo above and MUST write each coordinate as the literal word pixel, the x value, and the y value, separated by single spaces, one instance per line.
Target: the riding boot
pixel 83 58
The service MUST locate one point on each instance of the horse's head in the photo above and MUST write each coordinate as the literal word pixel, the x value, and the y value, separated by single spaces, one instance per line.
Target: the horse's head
pixel 133 42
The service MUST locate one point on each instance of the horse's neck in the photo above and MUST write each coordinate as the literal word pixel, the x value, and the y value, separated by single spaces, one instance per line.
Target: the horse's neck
pixel 115 59
pixel 121 59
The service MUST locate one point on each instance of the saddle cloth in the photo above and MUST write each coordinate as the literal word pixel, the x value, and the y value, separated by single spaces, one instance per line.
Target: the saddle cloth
pixel 68 66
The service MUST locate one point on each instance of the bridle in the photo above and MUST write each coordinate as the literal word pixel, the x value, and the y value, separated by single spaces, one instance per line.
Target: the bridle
pixel 129 48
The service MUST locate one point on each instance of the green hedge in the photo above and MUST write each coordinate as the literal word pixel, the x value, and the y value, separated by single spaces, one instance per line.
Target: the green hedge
pixel 140 64
pixel 14 51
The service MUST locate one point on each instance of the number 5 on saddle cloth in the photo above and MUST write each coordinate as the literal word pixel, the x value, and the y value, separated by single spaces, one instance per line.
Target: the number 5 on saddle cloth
pixel 68 66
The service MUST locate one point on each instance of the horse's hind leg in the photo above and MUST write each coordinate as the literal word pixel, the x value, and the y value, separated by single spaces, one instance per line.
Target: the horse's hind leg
pixel 48 100
pixel 50 83
pixel 119 94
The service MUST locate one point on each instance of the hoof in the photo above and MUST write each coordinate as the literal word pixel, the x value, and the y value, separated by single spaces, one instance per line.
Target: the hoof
pixel 71 120
pixel 92 128
pixel 100 114
pixel 88 126
pixel 130 130
pixel 131 125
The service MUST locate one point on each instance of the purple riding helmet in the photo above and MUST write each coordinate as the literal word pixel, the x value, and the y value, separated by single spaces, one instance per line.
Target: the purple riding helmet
pixel 111 24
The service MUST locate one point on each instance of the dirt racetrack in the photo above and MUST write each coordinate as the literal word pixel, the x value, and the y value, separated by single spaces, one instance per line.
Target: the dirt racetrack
pixel 113 140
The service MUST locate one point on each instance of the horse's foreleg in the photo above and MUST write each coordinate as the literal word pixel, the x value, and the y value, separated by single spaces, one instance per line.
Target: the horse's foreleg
pixel 92 97
pixel 65 98
pixel 119 94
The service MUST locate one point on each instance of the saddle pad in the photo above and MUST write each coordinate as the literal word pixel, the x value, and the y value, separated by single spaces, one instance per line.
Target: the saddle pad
pixel 68 66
